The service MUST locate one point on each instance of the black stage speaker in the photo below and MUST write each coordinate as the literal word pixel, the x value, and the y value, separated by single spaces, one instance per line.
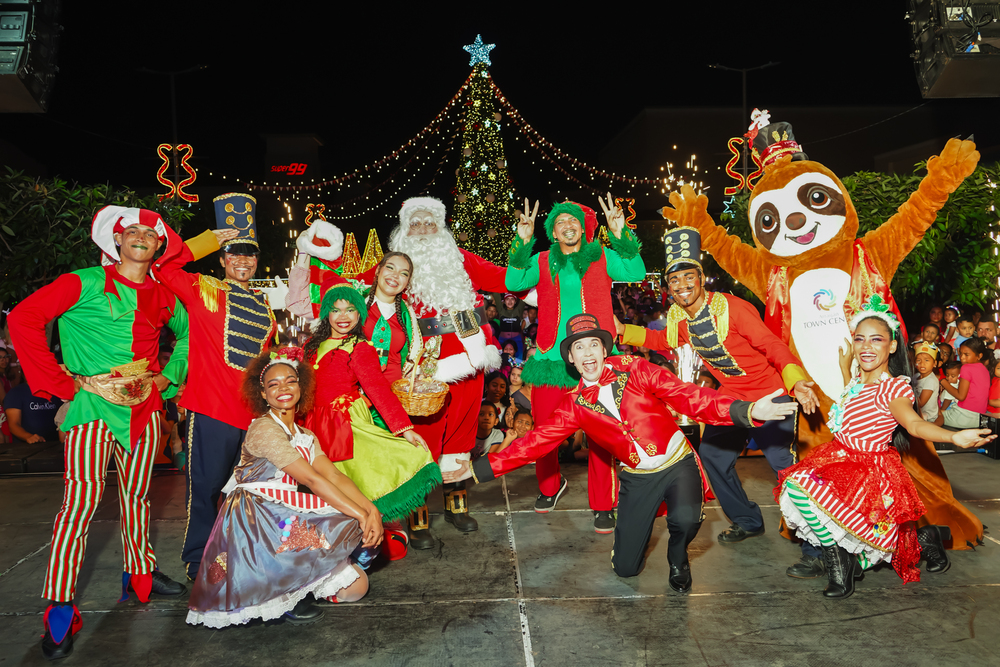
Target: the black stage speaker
pixel 957 50
pixel 29 43
pixel 992 449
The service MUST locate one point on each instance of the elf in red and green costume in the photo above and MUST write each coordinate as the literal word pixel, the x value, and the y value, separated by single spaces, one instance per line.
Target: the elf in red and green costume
pixel 110 318
pixel 572 277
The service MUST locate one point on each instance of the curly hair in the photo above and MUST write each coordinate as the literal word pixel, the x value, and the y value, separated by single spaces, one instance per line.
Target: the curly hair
pixel 253 394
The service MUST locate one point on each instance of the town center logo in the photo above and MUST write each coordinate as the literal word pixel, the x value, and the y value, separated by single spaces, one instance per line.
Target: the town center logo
pixel 824 300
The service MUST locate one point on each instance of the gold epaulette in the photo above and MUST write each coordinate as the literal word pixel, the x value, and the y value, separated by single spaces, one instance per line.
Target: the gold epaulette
pixel 674 316
pixel 209 288
pixel 719 308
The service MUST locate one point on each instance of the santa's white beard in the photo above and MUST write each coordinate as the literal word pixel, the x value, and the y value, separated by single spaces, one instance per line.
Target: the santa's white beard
pixel 439 280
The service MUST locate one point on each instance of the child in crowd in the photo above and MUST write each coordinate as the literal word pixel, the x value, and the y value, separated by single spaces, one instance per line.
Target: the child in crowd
pixel 925 383
pixel 950 372
pixel 965 329
pixel 973 385
pixel 950 324
pixel 273 545
pixel 930 333
pixel 945 354
pixel 495 391
pixel 488 437
pixel 523 423
pixel 994 399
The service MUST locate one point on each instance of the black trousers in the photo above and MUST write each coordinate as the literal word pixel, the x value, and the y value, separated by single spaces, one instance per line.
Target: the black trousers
pixel 638 501
pixel 721 446
pixel 719 449
pixel 213 451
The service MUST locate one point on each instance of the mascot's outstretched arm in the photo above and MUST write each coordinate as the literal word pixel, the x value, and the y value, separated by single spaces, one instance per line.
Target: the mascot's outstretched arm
pixel 738 259
pixel 889 244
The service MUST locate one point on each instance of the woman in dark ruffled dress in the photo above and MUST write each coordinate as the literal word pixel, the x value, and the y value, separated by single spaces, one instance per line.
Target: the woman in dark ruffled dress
pixel 273 545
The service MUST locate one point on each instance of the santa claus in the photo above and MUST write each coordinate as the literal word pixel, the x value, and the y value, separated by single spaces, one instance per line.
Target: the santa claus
pixel 443 292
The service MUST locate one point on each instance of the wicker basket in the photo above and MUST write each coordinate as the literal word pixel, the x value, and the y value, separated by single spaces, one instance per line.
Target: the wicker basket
pixel 420 403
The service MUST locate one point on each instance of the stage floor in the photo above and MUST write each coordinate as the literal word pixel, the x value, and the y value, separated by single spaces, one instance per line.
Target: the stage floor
pixel 527 587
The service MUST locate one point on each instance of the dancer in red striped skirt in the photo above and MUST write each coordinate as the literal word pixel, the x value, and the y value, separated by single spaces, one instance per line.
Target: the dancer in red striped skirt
pixel 110 318
pixel 852 496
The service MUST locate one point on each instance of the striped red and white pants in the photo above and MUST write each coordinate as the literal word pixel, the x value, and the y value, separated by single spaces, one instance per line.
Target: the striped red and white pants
pixel 88 451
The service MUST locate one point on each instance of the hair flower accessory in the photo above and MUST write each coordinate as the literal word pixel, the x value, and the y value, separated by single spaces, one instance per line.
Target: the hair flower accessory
pixel 875 307
pixel 290 356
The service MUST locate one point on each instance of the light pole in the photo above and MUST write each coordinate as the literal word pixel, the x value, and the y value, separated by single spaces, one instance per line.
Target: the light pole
pixel 743 71
pixel 173 114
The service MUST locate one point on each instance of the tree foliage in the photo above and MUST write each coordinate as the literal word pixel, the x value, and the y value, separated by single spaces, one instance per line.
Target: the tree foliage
pixel 45 228
pixel 955 262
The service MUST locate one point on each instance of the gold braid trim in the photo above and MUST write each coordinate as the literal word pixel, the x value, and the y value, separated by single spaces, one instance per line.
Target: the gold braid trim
pixel 719 308
pixel 674 317
pixel 209 288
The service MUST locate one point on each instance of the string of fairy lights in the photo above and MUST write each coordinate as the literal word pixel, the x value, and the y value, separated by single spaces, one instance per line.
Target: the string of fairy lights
pixel 437 140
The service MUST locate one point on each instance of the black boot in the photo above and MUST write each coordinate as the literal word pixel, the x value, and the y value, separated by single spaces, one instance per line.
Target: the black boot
pixel 931 540
pixel 842 568
pixel 680 577
pixel 419 525
pixel 456 508
pixel 62 621
pixel 303 613
pixel 164 585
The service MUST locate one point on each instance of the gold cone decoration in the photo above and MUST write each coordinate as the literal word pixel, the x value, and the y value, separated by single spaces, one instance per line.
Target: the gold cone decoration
pixel 373 252
pixel 351 257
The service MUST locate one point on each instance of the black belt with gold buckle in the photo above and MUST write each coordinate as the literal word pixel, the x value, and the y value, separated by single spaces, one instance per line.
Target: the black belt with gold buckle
pixel 437 326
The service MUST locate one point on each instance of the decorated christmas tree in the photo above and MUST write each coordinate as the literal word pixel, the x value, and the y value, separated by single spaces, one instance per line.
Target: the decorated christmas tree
pixel 484 218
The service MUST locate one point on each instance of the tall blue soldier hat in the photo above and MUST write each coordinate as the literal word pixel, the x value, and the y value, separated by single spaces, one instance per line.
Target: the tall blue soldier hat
pixel 683 246
pixel 238 211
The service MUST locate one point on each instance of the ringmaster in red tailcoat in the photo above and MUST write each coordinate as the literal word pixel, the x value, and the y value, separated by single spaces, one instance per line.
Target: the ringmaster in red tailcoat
pixel 231 324
pixel 621 403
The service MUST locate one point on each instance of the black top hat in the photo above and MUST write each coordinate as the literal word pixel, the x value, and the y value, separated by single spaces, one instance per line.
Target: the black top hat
pixel 777 140
pixel 683 246
pixel 584 325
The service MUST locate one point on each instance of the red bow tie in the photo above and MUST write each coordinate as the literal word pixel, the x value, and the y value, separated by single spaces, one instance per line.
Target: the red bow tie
pixel 607 377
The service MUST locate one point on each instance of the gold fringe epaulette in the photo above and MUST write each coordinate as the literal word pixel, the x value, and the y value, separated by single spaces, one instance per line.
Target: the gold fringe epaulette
pixel 719 309
pixel 209 288
pixel 674 316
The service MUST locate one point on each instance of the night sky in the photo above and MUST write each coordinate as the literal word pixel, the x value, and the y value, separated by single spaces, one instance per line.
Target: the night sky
pixel 367 78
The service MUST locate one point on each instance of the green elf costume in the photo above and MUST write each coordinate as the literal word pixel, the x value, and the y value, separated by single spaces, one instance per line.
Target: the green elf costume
pixel 109 328
pixel 573 283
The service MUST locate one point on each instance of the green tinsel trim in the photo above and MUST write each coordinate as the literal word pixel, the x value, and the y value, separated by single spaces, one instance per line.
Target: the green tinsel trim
pixel 410 495
pixel 565 207
pixel 581 259
pixel 520 253
pixel 548 372
pixel 347 293
pixel 628 246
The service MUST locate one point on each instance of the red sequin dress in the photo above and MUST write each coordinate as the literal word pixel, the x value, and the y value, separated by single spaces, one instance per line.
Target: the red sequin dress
pixel 857 485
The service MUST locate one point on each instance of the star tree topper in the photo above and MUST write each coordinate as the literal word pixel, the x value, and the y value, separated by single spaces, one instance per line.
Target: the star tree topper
pixel 480 52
